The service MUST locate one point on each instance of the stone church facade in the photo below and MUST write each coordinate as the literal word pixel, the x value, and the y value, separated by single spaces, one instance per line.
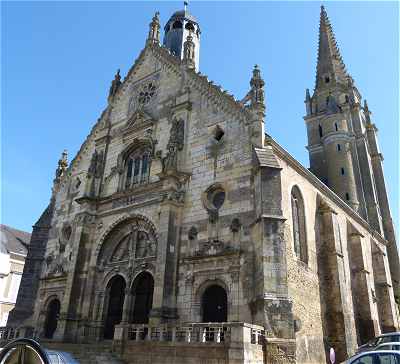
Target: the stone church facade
pixel 180 209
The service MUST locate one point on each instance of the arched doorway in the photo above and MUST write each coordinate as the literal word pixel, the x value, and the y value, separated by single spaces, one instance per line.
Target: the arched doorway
pixel 116 296
pixel 215 304
pixel 52 315
pixel 142 292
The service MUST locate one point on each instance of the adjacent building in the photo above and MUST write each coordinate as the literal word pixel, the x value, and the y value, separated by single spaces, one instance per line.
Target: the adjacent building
pixel 13 250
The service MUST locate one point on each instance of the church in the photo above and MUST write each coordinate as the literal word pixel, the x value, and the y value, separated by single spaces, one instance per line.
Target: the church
pixel 182 230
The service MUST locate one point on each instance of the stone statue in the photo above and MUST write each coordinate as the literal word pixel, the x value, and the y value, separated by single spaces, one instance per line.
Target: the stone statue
pixel 175 144
pixel 116 82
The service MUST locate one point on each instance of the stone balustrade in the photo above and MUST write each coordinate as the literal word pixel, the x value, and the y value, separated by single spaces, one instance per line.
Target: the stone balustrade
pixel 8 333
pixel 218 333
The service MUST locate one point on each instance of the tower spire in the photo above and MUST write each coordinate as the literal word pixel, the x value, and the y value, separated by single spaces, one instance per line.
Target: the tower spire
pixel 330 66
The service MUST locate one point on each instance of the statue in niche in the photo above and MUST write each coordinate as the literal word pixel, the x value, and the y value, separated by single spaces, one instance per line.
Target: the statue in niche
pixel 175 144
pixel 96 164
pixel 144 246
pixel 95 170
pixel 235 225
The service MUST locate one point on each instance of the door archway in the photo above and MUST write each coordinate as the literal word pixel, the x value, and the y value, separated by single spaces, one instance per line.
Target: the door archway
pixel 142 295
pixel 52 315
pixel 116 296
pixel 214 304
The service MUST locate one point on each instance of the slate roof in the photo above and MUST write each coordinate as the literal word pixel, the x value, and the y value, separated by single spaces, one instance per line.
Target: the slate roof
pixel 266 157
pixel 13 240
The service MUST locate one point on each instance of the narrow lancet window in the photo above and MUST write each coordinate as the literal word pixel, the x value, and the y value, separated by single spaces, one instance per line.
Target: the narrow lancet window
pixel 299 225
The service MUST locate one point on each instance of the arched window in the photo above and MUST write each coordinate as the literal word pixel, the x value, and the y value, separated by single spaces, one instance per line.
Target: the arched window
pixel 299 225
pixel 189 26
pixel 320 131
pixel 177 25
pixel 137 168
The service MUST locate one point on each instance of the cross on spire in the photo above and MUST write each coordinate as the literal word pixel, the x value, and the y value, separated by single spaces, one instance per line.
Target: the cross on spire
pixel 330 65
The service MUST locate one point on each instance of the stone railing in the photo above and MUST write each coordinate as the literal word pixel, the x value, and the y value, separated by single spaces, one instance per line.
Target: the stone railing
pixel 218 333
pixel 9 333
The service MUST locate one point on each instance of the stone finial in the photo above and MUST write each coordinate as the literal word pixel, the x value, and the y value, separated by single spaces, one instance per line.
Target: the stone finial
pixel 115 84
pixel 154 30
pixel 307 101
pixel 62 165
pixel 367 112
pixel 257 88
pixel 189 51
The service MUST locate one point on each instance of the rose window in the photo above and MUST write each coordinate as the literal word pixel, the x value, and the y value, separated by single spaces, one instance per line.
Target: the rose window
pixel 146 93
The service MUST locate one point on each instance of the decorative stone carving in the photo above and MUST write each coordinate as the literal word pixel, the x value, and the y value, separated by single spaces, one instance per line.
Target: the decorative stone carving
pixel 96 164
pixel 176 195
pixel 115 84
pixel 62 165
pixel 121 252
pixel 192 234
pixel 235 225
pixel 213 247
pixel 143 266
pixel 175 144
pixel 145 247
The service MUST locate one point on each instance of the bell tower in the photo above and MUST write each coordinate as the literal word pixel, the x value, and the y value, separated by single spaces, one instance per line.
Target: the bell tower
pixel 342 142
pixel 179 27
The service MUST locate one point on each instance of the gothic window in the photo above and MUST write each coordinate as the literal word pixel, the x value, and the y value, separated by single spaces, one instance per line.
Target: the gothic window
pixel 339 147
pixel 137 168
pixel 299 225
pixel 336 127
pixel 320 131
pixel 342 171
pixel 327 79
pixel 347 196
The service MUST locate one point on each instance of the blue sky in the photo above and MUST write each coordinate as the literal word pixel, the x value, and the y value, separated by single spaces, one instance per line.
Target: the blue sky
pixel 58 59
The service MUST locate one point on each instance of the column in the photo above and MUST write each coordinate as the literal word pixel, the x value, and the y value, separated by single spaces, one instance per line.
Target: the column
pixel 365 312
pixel 164 298
pixel 383 290
pixel 337 305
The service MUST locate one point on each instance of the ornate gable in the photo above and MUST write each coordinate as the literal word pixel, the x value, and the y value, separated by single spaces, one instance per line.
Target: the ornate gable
pixel 137 121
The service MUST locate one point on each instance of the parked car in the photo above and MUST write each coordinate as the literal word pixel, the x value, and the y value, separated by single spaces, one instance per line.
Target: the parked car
pixel 390 337
pixel 388 346
pixel 28 351
pixel 376 357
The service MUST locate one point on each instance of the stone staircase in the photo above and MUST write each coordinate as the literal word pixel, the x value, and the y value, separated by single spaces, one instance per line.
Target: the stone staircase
pixel 96 353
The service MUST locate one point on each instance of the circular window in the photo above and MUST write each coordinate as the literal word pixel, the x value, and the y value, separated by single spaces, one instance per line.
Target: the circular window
pixel 214 198
pixel 217 199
